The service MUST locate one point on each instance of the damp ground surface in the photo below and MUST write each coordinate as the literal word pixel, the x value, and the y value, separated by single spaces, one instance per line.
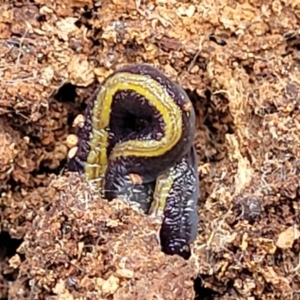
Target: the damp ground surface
pixel 239 61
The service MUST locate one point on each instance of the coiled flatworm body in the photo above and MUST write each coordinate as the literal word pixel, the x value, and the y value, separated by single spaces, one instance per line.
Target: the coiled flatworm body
pixel 137 143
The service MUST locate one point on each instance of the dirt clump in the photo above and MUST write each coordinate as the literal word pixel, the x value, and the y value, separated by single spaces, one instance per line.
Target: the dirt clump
pixel 239 63
pixel 87 247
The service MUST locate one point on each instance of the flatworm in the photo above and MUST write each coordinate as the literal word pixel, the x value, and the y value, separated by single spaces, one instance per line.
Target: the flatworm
pixel 139 123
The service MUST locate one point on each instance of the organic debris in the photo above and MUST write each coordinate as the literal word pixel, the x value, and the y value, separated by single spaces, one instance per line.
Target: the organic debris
pixel 238 61
pixel 87 247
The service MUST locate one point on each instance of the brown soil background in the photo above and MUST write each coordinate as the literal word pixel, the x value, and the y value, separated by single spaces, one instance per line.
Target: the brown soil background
pixel 239 62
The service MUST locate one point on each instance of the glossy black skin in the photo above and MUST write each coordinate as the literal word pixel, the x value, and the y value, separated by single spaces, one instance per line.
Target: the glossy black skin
pixel 179 226
pixel 76 163
pixel 141 195
pixel 135 105
pixel 180 222
pixel 128 104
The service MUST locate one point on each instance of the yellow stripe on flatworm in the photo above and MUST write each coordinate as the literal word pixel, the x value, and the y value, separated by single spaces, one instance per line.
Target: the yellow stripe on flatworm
pixel 153 92
pixel 162 188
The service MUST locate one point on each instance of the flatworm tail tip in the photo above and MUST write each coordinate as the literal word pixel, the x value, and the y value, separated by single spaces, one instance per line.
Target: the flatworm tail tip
pixel 184 251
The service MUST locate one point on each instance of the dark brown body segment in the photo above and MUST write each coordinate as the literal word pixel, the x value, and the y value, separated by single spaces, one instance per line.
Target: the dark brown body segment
pixel 180 221
pixel 76 163
pixel 132 104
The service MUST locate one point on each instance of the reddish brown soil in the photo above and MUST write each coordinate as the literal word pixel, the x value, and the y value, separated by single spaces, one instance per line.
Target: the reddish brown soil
pixel 239 62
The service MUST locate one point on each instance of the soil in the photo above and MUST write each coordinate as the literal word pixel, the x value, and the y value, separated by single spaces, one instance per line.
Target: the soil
pixel 239 61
